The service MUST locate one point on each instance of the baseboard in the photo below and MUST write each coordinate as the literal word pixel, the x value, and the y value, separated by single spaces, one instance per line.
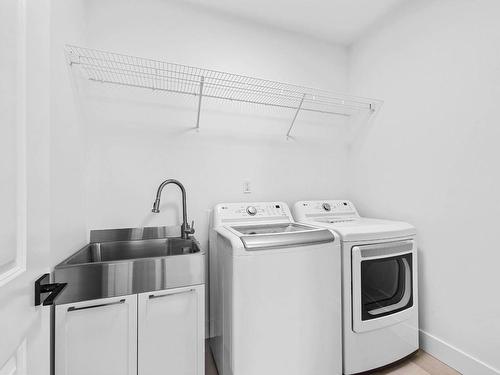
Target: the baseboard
pixel 453 357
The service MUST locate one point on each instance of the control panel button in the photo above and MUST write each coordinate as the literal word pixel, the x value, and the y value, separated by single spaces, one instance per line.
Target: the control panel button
pixel 327 207
pixel 251 210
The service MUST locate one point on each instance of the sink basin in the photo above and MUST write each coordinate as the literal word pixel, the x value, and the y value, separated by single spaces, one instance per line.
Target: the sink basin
pixel 129 261
pixel 127 250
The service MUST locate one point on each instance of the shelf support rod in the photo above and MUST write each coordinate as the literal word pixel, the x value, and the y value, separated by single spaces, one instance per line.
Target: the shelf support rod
pixel 295 116
pixel 200 95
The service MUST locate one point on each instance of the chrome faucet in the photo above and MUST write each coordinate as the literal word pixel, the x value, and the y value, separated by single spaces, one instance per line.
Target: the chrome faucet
pixel 186 230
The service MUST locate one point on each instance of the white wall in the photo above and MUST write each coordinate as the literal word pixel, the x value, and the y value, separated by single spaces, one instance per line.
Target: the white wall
pixel 68 229
pixel 136 138
pixel 431 158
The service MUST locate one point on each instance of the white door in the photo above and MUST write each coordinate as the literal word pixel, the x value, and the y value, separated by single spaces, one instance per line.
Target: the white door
pixel 171 327
pixel 24 194
pixel 97 337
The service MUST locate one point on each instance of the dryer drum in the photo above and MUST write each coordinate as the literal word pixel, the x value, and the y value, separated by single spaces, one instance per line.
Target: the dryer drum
pixel 386 286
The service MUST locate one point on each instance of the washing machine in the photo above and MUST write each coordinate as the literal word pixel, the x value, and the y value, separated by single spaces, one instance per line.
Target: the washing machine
pixel 379 283
pixel 275 293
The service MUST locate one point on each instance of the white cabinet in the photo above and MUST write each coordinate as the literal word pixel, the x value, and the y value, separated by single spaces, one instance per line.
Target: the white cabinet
pixel 171 331
pixel 97 337
pixel 161 332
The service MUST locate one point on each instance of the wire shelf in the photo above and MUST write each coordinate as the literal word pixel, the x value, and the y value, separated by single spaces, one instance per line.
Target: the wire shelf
pixel 103 66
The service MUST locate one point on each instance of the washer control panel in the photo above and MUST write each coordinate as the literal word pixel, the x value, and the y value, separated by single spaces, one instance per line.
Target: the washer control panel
pixel 255 211
pixel 326 208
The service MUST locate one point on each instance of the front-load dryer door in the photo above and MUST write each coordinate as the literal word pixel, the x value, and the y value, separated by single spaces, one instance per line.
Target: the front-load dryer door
pixel 383 284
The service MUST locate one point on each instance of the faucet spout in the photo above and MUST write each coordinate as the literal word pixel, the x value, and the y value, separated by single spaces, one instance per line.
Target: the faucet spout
pixel 186 230
pixel 156 206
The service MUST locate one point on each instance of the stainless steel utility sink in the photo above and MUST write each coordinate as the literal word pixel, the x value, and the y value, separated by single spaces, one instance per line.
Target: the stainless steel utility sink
pixel 127 250
pixel 128 261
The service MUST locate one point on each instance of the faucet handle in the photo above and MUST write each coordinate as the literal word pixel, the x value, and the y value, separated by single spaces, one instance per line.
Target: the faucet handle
pixel 190 229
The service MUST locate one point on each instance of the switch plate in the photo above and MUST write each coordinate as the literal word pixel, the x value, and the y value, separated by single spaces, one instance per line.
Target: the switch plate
pixel 246 187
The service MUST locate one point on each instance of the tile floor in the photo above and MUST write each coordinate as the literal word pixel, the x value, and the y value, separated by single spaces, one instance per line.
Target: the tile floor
pixel 419 364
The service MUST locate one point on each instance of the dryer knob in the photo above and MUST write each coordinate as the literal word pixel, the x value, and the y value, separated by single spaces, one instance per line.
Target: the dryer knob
pixel 327 207
pixel 251 210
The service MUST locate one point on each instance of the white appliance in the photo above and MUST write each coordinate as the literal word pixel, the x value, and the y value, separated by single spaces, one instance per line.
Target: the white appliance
pixel 379 281
pixel 275 293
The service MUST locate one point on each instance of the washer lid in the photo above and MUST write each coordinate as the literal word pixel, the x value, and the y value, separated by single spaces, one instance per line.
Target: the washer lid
pixel 260 237
pixel 366 229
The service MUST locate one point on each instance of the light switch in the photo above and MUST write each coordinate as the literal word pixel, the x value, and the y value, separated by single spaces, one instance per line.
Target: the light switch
pixel 246 187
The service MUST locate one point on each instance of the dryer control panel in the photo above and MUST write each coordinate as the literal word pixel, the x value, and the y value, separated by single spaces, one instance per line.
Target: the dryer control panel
pixel 306 210
pixel 251 212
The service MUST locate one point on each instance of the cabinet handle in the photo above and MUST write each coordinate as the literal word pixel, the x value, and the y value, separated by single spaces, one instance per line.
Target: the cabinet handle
pixel 73 308
pixel 151 296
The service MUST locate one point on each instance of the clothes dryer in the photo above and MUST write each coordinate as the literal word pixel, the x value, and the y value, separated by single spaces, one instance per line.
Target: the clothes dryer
pixel 379 283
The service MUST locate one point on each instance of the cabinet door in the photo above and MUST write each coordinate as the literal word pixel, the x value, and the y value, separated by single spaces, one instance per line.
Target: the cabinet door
pixel 97 337
pixel 171 332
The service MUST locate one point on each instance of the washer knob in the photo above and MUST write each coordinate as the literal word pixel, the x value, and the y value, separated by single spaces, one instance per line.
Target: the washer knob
pixel 327 207
pixel 251 210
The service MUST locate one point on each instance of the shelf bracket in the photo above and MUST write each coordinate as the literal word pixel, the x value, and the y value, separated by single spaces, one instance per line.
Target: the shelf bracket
pixel 295 116
pixel 200 95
